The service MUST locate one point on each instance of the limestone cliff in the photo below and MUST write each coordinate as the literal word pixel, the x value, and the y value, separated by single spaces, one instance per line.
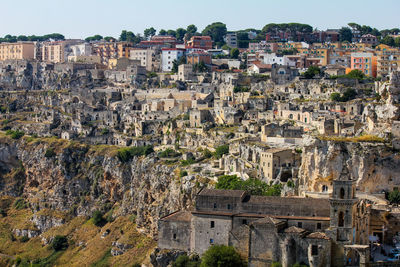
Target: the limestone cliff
pixel 373 165
pixel 80 179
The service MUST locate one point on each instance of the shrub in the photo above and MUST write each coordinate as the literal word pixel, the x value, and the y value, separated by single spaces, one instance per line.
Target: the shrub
pixel 183 173
pixel 186 261
pixel 20 204
pixel 241 89
pixel 24 239
pixel 187 162
pixel 252 186
pixel 15 134
pixel 97 218
pixel 59 242
pixel 221 255
pixel 207 153
pixel 105 131
pixel 394 196
pixel 311 72
pixel 50 153
pixel 276 264
pixel 127 153
pixel 169 153
pixel 221 150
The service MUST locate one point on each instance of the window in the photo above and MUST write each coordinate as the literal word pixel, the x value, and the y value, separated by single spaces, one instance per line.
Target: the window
pixel 211 241
pixel 341 193
pixel 319 226
pixel 229 206
pixel 314 250
pixel 174 236
pixel 299 224
pixel 215 205
pixel 212 224
pixel 341 219
pixel 244 221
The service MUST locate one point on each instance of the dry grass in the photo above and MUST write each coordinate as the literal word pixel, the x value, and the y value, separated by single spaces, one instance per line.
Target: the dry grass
pixel 78 230
pixel 355 139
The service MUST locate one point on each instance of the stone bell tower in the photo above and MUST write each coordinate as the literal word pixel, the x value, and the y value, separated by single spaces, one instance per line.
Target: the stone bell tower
pixel 342 203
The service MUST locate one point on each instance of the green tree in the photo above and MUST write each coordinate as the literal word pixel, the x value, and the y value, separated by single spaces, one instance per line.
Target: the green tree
pixel 148 33
pixel 345 34
pixel 22 38
pixel 97 218
pixel 311 72
pixel 221 150
pixel 180 34
pixel 122 36
pixel 388 40
pixel 192 29
pixel 229 182
pixel 397 42
pixel 96 37
pixel 171 33
pixel 59 242
pixel 394 196
pixel 336 97
pixel 222 256
pixel 235 53
pixel 355 74
pixel 109 38
pixel 216 31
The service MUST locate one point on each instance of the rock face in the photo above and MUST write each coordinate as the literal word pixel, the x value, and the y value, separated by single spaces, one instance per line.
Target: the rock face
pixel 80 180
pixel 374 166
pixel 163 258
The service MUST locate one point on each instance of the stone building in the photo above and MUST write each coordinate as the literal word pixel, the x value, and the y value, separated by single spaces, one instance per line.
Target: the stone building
pixel 311 231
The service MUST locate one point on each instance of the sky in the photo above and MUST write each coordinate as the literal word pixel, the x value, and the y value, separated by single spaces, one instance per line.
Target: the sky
pixel 83 18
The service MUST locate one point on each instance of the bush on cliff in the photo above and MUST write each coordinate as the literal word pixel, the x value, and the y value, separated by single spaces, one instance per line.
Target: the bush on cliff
pixel 252 186
pixel 221 255
pixel 15 134
pixel 186 261
pixel 394 196
pixel 98 219
pixel 221 150
pixel 127 153
pixel 59 242
pixel 50 153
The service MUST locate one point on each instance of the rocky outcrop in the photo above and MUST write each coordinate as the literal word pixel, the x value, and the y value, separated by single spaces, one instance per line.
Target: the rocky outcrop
pixel 80 180
pixel 163 258
pixel 374 166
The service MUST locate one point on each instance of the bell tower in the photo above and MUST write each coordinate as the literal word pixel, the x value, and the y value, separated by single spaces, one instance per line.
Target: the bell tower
pixel 342 203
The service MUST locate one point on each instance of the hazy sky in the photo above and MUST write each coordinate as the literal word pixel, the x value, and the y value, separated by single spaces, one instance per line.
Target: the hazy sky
pixel 82 18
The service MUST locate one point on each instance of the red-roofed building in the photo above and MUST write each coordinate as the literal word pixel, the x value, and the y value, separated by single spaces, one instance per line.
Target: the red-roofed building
pixel 201 42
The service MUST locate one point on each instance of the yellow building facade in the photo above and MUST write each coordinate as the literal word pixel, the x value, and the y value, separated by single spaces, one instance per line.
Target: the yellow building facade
pixel 21 50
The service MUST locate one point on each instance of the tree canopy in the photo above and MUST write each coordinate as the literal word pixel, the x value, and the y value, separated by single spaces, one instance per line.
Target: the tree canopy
pixel 253 186
pixel 217 32
pixel 148 33
pixel 13 39
pixel 96 37
pixel 345 34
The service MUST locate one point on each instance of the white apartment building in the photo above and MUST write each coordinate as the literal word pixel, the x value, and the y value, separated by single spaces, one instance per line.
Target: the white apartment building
pixel 272 58
pixel 168 56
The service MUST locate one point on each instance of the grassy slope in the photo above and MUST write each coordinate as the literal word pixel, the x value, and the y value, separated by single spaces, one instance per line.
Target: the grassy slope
pixel 95 252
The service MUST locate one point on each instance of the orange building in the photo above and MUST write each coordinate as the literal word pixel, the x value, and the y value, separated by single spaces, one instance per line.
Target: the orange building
pixel 197 57
pixel 200 42
pixel 366 62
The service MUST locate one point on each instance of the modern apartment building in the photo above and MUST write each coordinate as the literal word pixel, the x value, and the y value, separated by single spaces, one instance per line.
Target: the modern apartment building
pixel 20 50
pixel 387 61
pixel 366 62
pixel 200 42
pixel 168 57
pixel 231 39
pixel 149 58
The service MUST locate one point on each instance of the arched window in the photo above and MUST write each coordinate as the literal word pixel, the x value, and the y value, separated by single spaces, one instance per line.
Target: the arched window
pixel 324 188
pixel 341 219
pixel 341 193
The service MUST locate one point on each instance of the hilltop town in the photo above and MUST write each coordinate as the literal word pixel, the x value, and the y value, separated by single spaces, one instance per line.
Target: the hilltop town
pixel 282 143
